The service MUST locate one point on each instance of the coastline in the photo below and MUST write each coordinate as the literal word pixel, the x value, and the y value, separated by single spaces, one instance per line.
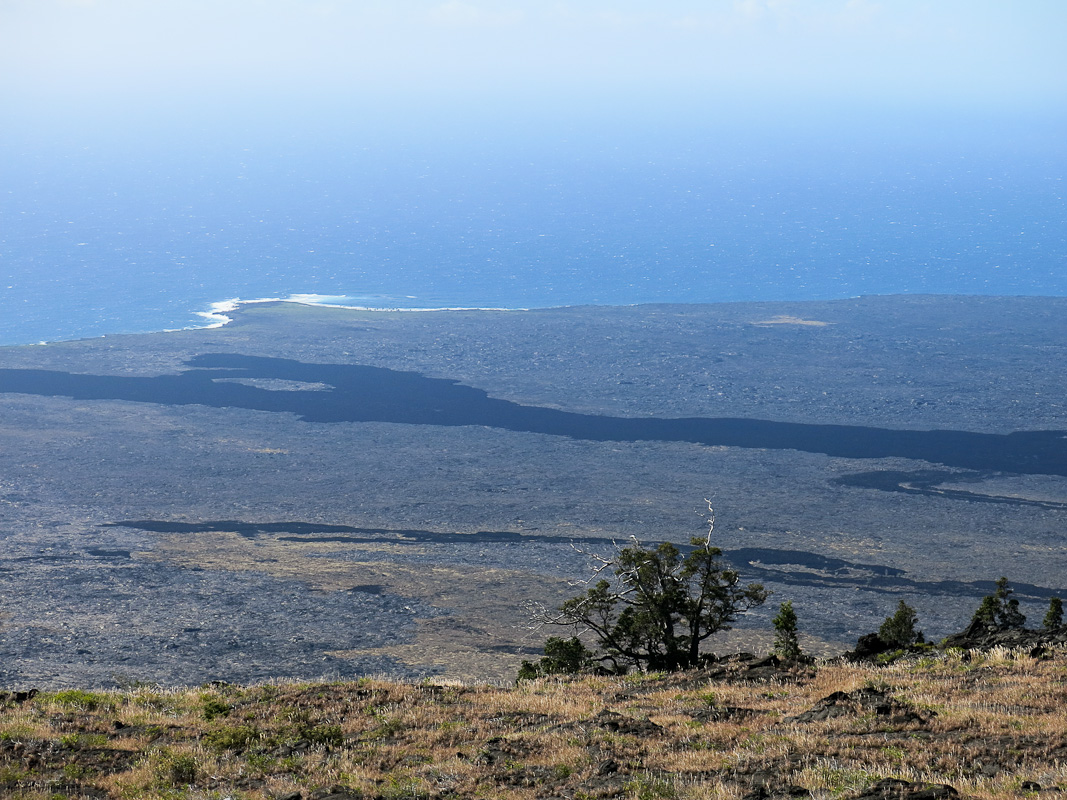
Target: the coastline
pixel 218 313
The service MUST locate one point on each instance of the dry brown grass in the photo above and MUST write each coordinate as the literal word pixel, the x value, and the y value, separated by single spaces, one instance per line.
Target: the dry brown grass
pixel 990 723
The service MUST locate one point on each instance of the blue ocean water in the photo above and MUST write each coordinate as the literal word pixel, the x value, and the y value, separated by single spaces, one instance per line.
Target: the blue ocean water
pixel 107 237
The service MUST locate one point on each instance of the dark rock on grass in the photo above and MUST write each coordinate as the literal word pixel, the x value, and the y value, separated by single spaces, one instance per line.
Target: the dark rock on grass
pixel 868 646
pixel 724 714
pixel 979 636
pixel 77 790
pixel 524 720
pixel 895 789
pixel 528 777
pixel 64 789
pixel 602 787
pixel 760 779
pixel 860 702
pixel 499 750
pixel 609 767
pixel 46 754
pixel 336 793
pixel 779 793
pixel 736 668
pixel 619 723
pixel 747 668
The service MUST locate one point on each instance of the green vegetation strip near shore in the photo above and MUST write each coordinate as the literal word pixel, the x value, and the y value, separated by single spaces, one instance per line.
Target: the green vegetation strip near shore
pixel 990 724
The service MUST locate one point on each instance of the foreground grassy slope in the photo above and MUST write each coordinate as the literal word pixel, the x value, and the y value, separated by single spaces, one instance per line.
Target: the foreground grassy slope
pixel 991 725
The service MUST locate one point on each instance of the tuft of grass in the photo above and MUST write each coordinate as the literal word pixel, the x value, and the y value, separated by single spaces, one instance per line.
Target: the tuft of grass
pixel 213 708
pixel 81 700
pixel 232 737
pixel 648 787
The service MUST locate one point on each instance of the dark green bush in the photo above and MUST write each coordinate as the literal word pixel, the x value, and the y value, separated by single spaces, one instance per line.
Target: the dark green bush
pixel 1054 617
pixel 213 708
pixel 562 657
pixel 786 642
pixel 237 737
pixel 660 608
pixel 899 631
pixel 1000 610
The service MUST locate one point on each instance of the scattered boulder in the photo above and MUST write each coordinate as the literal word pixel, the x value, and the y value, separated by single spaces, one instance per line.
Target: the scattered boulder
pixel 979 635
pixel 608 767
pixel 724 714
pixel 336 793
pixel 862 701
pixel 525 777
pixel 868 646
pixel 499 750
pixel 790 792
pixel 982 636
pixel 619 723
pixel 747 668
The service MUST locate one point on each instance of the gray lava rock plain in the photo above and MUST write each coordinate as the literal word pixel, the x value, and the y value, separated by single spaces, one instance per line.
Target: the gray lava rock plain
pixel 313 492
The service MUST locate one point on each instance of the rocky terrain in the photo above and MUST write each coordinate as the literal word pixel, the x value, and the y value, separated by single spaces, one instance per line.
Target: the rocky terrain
pixel 320 493
pixel 940 725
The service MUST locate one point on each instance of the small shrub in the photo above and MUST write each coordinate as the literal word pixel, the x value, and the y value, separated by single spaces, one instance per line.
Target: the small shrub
pixel 649 788
pixel 213 708
pixel 76 772
pixel 1054 617
pixel 889 656
pixel 401 787
pixel 262 762
pixel 899 631
pixel 174 769
pixel 77 741
pixel 386 728
pixel 11 774
pixel 1000 610
pixel 327 735
pixel 77 698
pixel 562 657
pixel 786 643
pixel 237 737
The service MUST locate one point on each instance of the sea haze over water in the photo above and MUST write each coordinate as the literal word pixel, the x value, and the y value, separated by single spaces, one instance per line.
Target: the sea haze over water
pixel 107 232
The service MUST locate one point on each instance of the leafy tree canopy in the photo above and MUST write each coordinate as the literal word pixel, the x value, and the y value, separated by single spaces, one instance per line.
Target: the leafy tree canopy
pixel 660 607
pixel 786 639
pixel 899 630
pixel 1000 610
pixel 1054 615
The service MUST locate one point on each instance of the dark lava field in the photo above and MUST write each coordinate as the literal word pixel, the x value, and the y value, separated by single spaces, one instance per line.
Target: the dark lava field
pixel 313 492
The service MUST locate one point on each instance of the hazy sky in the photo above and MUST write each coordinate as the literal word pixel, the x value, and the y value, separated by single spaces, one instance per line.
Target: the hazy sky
pixel 386 146
pixel 969 52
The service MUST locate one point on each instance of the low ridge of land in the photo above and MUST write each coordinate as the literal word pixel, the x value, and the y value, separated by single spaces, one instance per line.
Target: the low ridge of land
pixel 984 724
